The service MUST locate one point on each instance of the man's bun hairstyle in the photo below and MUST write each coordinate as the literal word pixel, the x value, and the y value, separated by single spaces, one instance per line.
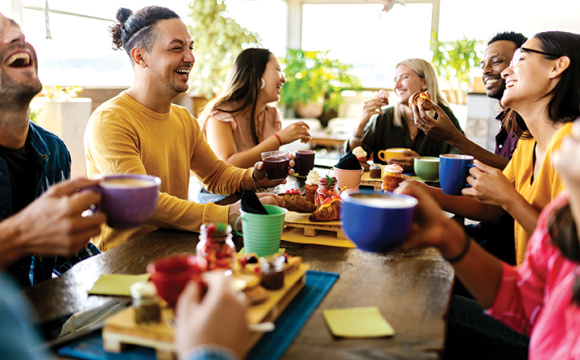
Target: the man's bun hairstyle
pixel 138 29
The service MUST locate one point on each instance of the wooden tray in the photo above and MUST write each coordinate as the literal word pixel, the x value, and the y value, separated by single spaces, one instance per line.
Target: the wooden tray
pixel 120 329
pixel 311 228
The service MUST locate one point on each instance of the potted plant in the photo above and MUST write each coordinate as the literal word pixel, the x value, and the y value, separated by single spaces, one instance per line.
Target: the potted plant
pixel 453 61
pixel 219 39
pixel 314 82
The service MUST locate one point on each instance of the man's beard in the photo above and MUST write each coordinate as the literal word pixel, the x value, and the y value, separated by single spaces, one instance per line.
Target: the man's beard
pixel 15 95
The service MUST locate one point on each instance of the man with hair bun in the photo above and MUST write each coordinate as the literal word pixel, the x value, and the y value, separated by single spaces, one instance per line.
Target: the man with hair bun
pixel 141 131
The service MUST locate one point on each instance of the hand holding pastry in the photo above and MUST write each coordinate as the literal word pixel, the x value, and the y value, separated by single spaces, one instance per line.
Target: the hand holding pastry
pixel 422 99
pixel 440 129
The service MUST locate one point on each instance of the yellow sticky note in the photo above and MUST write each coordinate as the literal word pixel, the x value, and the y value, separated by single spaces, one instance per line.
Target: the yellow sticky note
pixel 362 322
pixel 116 284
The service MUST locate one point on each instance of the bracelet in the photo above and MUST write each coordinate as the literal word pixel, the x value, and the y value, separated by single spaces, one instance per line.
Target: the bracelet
pixel 277 137
pixel 463 252
pixel 357 137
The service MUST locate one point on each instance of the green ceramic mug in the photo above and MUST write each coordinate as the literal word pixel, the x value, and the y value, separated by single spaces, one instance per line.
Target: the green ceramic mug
pixel 427 167
pixel 262 233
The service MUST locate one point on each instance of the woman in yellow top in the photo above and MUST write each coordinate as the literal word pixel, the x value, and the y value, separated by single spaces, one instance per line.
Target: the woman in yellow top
pixel 542 86
pixel 239 125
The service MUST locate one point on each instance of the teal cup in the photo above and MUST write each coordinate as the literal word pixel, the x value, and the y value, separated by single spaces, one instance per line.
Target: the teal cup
pixel 262 233
pixel 427 168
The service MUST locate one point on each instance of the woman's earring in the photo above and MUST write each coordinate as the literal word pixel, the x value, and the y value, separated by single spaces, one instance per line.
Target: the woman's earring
pixel 263 83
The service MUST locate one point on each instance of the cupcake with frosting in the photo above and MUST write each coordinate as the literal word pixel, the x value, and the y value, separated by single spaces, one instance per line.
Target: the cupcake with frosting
pixel 361 155
pixel 392 177
pixel 311 185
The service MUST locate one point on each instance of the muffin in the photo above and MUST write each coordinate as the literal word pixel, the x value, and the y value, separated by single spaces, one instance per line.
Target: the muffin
pixel 392 177
pixel 311 185
pixel 361 155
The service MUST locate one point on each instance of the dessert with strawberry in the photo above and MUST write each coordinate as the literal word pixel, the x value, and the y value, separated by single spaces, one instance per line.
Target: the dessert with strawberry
pixel 326 189
pixel 392 177
pixel 361 156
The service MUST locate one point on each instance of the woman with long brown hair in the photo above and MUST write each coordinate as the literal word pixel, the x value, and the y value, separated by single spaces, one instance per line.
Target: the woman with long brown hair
pixel 239 124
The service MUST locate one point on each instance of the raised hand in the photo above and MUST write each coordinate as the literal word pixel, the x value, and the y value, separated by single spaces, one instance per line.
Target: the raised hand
pixel 295 131
pixel 441 129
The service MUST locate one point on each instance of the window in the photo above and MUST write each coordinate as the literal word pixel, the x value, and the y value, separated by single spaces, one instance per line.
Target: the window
pixel 372 41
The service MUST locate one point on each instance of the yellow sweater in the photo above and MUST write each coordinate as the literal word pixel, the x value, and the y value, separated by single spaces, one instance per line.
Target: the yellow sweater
pixel 542 189
pixel 123 136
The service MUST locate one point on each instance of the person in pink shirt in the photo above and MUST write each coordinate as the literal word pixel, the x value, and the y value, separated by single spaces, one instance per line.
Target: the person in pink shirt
pixel 539 299
pixel 239 125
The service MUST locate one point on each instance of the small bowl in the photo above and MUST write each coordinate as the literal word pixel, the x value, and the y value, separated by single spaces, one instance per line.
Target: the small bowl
pixel 376 221
pixel 171 274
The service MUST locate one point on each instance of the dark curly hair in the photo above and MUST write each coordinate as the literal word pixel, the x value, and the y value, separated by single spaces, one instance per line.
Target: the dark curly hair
pixel 138 29
pixel 516 38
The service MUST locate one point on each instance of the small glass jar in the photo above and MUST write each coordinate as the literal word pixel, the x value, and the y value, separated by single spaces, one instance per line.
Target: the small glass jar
pixel 146 303
pixel 327 188
pixel 375 171
pixel 216 246
pixel 272 272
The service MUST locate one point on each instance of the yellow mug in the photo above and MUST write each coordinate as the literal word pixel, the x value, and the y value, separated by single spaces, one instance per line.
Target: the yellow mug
pixel 385 155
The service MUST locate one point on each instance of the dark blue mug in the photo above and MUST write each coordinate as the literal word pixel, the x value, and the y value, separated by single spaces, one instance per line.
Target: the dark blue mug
pixel 453 172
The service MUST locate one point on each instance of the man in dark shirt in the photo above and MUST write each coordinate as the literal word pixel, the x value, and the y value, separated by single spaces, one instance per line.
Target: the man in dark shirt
pixel 32 160
pixel 496 237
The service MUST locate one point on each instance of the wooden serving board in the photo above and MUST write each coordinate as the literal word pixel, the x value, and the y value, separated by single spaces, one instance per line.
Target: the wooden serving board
pixel 121 329
pixel 311 228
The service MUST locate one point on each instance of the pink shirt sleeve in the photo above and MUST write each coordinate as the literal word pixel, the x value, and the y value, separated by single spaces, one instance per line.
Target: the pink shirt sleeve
pixel 521 294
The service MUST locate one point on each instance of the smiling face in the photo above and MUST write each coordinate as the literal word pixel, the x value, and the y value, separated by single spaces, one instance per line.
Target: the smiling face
pixel 530 80
pixel 19 81
pixel 273 81
pixel 171 58
pixel 496 58
pixel 407 82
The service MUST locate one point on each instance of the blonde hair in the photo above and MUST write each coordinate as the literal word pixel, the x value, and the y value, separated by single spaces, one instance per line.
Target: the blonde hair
pixel 425 71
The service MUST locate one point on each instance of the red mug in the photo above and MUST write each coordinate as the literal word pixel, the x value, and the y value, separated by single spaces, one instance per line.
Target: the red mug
pixel 171 274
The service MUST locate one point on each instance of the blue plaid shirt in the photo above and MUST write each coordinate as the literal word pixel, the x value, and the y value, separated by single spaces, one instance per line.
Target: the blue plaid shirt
pixel 53 165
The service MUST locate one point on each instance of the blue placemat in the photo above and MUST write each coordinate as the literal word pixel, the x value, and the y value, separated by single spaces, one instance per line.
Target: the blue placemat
pixel 271 346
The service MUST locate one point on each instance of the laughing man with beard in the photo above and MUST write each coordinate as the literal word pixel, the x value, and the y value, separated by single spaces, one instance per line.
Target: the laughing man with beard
pixel 141 131
pixel 31 161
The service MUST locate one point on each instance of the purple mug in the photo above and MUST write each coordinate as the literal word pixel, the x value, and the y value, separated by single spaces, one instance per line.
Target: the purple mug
pixel 128 200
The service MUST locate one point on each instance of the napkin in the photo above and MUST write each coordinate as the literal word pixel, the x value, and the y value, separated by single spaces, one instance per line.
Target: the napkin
pixel 251 203
pixel 362 322
pixel 348 162
pixel 116 284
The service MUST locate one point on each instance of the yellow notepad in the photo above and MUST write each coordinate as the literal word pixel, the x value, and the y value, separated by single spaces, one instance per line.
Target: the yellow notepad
pixel 116 284
pixel 362 322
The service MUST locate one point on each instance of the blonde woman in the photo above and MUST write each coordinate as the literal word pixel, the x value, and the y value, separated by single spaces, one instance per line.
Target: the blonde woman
pixel 395 127
pixel 239 125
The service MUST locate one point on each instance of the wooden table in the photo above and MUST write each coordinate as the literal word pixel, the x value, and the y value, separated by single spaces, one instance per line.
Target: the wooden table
pixel 411 289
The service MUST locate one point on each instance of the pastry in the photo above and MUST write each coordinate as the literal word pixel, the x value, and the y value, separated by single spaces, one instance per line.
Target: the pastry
pixel 361 156
pixel 311 185
pixel 423 99
pixel 329 211
pixel 392 177
pixel 297 202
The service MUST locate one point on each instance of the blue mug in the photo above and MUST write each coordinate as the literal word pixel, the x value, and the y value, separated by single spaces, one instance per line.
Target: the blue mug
pixel 453 172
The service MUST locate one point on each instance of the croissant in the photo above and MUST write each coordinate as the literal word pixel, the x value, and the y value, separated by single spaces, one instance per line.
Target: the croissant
pixel 327 213
pixel 298 203
pixel 423 99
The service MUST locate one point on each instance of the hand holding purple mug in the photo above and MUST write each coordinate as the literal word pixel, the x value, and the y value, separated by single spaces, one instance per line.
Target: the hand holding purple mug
pixel 260 172
pixel 128 200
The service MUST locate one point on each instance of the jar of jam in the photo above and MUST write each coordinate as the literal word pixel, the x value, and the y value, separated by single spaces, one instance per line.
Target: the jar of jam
pixel 146 304
pixel 327 188
pixel 272 272
pixel 375 171
pixel 216 246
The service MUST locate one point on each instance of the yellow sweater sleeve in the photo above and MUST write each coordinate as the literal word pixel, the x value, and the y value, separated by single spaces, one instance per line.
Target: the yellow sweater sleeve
pixel 117 142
